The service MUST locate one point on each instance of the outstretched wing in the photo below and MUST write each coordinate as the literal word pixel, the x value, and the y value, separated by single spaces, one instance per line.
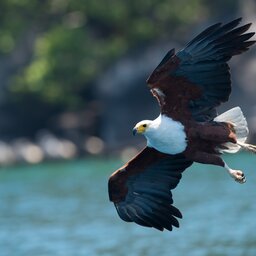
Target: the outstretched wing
pixel 192 83
pixel 141 192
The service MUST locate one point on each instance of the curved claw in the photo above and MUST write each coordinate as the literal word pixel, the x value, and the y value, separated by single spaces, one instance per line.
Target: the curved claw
pixel 238 176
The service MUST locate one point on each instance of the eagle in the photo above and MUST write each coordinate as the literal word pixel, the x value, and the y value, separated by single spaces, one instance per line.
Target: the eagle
pixel 188 86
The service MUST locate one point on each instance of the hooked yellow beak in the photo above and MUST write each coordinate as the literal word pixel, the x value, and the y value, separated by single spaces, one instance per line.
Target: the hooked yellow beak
pixel 134 131
pixel 138 129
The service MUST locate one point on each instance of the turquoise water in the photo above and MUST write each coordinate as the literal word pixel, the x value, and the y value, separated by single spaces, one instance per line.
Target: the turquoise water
pixel 63 209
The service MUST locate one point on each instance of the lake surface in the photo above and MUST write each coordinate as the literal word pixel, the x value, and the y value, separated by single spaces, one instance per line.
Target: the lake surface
pixel 62 209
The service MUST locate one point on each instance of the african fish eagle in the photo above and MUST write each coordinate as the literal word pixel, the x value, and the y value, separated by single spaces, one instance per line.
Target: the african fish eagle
pixel 188 85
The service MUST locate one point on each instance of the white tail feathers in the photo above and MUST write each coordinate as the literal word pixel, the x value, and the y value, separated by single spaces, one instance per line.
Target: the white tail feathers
pixel 236 117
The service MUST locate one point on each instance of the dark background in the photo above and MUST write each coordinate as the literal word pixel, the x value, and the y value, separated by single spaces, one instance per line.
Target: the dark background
pixel 72 73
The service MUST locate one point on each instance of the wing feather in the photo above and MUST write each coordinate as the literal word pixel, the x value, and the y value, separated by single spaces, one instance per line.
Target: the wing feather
pixel 197 79
pixel 141 191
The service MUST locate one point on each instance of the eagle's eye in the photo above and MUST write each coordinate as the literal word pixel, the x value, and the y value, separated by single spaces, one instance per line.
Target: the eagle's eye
pixel 144 125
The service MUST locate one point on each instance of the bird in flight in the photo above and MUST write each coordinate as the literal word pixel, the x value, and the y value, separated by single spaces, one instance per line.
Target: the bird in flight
pixel 188 85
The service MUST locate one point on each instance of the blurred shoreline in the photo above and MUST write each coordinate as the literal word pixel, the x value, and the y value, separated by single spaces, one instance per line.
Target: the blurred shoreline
pixel 48 147
pixel 72 74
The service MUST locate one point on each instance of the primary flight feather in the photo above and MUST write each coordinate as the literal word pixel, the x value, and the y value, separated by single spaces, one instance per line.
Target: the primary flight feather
pixel 188 85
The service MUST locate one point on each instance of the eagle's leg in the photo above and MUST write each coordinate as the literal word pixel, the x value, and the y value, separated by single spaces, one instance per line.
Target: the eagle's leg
pixel 207 158
pixel 236 174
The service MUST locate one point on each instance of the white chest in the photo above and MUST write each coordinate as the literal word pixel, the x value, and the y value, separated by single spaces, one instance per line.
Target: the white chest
pixel 166 135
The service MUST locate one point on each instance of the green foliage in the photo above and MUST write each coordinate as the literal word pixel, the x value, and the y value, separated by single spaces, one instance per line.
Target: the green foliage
pixel 77 40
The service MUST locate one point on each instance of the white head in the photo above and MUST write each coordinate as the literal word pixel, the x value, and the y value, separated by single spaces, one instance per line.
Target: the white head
pixel 142 127
pixel 163 134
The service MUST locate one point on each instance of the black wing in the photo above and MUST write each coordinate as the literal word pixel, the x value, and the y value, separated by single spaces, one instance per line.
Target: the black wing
pixel 199 74
pixel 141 189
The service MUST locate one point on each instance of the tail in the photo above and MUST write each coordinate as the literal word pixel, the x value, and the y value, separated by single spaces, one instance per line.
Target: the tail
pixel 236 117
